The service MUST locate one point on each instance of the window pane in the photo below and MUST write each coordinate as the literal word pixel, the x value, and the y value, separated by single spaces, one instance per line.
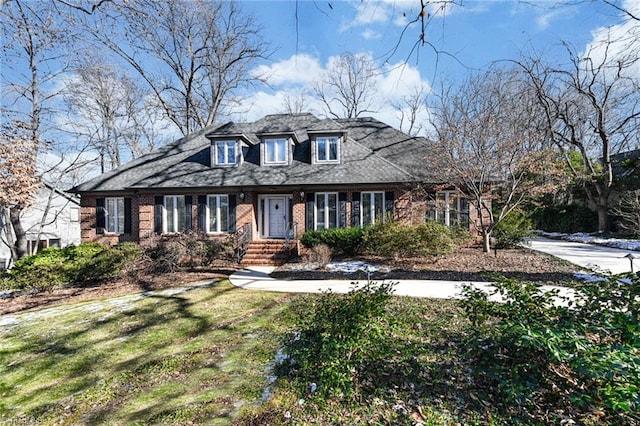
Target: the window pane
pixel 170 209
pixel 333 149
pixel 110 214
pixel 120 222
pixel 220 148
pixel 231 152
pixel 379 206
pixel 333 210
pixel 213 214
pixel 180 213
pixel 282 150
pixel 320 209
pixel 224 213
pixel 271 151
pixel 366 208
pixel 322 149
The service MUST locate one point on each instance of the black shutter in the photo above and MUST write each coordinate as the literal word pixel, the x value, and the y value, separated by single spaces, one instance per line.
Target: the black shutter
pixel 202 213
pixel 342 210
pixel 157 214
pixel 309 210
pixel 100 216
pixel 188 213
pixel 388 205
pixel 232 213
pixel 355 209
pixel 127 215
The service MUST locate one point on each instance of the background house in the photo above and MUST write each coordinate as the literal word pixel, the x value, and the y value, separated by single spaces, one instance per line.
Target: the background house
pixel 271 180
pixel 52 221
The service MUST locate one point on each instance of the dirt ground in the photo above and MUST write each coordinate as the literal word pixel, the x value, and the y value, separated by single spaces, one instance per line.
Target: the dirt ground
pixel 468 264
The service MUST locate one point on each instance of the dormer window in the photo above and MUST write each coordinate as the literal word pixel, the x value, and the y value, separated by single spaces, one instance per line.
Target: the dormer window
pixel 275 151
pixel 224 153
pixel 327 149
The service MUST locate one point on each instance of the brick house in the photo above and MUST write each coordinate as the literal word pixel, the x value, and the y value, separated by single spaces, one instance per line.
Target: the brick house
pixel 270 180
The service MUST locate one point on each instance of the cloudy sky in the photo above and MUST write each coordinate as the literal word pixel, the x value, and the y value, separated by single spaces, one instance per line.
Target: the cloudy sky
pixel 307 36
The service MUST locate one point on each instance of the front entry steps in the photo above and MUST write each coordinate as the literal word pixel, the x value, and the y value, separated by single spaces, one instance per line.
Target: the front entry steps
pixel 268 253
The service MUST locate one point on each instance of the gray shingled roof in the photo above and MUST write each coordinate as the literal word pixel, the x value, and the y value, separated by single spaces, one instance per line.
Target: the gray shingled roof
pixel 372 153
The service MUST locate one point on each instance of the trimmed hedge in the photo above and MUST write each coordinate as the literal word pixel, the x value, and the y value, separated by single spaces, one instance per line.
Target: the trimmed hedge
pixel 347 241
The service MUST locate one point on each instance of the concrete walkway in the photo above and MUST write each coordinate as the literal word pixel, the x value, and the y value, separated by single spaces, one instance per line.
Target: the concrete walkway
pixel 591 256
pixel 257 278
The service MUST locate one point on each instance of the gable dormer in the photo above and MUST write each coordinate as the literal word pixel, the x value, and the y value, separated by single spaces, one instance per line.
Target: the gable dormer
pixel 276 149
pixel 326 147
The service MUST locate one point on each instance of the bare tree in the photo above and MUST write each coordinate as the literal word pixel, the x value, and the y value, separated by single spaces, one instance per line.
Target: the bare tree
pixel 295 102
pixel 411 108
pixel 347 89
pixel 107 109
pixel 488 142
pixel 627 212
pixel 592 108
pixel 192 55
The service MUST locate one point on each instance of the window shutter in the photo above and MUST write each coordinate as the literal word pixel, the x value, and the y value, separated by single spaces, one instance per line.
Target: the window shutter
pixel 188 213
pixel 157 214
pixel 309 210
pixel 127 215
pixel 100 215
pixel 388 205
pixel 355 209
pixel 202 213
pixel 342 210
pixel 232 213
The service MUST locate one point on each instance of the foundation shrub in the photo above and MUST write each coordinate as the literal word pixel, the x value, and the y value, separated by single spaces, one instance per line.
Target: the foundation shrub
pixel 345 241
pixel 391 239
pixel 513 230
pixel 53 267
pixel 190 250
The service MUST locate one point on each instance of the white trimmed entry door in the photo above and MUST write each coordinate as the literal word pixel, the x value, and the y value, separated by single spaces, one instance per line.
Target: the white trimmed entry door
pixel 276 212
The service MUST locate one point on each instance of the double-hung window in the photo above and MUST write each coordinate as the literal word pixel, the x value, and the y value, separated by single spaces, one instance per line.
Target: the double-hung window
pixel 218 213
pixel 327 149
pixel 225 153
pixel 372 207
pixel 114 215
pixel 275 151
pixel 174 210
pixel 326 210
pixel 450 208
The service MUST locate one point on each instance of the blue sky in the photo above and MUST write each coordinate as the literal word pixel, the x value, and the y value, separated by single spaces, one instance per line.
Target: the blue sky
pixel 471 36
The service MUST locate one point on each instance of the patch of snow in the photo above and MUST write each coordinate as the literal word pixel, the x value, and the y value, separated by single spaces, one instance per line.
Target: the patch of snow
pixel 589 278
pixel 581 237
pixel 355 266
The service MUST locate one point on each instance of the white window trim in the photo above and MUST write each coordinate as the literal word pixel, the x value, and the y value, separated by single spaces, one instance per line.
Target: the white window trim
pixel 229 161
pixel 118 227
pixel 447 210
pixel 217 197
pixel 371 194
pixel 327 150
pixel 326 209
pixel 286 151
pixel 176 220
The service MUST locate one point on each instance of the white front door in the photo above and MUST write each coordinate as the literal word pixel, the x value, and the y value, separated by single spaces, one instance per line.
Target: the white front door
pixel 276 220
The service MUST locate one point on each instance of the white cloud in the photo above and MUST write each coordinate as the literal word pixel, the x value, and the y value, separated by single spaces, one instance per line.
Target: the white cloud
pixel 391 85
pixel 298 69
pixel 370 34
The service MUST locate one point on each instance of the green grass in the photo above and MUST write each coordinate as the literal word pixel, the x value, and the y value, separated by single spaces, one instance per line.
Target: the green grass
pixel 196 356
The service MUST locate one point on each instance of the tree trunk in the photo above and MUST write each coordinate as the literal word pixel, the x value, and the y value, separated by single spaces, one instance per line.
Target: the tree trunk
pixel 18 230
pixel 486 242
pixel 603 218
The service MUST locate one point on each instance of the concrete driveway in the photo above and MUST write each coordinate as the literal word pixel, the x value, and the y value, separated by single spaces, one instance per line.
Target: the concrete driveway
pixel 594 257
